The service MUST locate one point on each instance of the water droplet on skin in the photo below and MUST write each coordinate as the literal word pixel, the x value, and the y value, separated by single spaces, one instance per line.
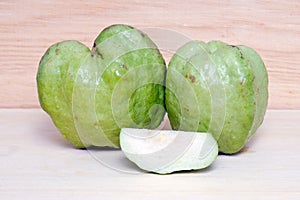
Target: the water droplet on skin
pixel 118 73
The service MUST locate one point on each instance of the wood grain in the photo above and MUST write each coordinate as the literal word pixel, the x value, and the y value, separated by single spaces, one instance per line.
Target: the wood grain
pixel 27 28
pixel 38 163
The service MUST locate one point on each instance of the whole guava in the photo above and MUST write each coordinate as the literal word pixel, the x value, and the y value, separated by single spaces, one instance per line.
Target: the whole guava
pixel 218 88
pixel 91 95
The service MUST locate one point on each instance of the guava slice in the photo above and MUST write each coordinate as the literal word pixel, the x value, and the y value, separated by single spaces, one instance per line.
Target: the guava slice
pixel 91 95
pixel 166 151
pixel 228 92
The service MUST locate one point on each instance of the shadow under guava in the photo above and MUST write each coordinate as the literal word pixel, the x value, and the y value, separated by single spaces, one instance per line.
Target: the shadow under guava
pixel 47 132
pixel 114 159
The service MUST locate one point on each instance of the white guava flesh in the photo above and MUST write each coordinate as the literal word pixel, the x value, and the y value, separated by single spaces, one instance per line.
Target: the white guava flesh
pixel 166 151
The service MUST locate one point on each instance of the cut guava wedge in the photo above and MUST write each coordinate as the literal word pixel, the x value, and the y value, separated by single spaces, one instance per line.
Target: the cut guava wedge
pixel 167 151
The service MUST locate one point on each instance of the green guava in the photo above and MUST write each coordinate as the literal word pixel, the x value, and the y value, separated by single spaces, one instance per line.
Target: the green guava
pixel 218 88
pixel 91 94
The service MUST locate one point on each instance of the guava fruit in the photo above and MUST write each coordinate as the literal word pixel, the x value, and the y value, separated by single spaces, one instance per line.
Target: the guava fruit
pixel 167 151
pixel 218 88
pixel 91 94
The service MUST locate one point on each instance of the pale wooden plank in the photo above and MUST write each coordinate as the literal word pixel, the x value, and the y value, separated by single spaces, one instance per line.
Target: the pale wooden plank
pixel 38 163
pixel 27 28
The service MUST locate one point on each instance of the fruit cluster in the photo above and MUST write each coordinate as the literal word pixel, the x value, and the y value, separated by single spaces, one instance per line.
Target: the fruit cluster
pixel 123 82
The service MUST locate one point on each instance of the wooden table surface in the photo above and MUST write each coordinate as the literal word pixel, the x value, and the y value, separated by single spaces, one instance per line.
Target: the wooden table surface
pixel 38 163
pixel 28 27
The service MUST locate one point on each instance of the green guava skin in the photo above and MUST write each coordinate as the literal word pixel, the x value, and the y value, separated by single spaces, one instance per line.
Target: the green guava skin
pixel 78 87
pixel 218 88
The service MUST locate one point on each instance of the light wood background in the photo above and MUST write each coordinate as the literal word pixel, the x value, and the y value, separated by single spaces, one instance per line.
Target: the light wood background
pixel 27 28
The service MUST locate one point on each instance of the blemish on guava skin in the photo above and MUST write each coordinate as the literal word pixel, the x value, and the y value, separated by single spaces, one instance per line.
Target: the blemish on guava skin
pixel 100 54
pixel 241 54
pixel 191 77
pixel 57 51
pixel 96 125
pixel 186 109
pixel 243 82
pixel 94 50
pixel 124 67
